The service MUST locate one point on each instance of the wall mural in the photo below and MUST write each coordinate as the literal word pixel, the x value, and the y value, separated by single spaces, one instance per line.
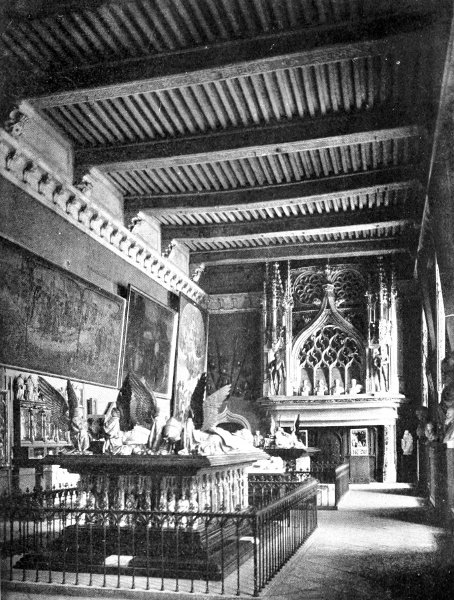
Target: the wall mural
pixel 191 354
pixel 150 342
pixel 55 323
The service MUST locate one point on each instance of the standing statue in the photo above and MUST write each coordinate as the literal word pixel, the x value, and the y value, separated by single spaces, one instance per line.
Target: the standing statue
pixel 276 364
pixel 80 438
pixel 380 370
pixel 407 443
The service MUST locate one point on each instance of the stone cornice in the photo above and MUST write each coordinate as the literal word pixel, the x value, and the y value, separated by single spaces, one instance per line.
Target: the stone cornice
pixel 18 165
pixel 227 303
pixel 317 402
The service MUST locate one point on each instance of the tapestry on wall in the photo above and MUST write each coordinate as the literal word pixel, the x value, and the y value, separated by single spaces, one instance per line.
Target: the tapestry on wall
pixel 150 342
pixel 55 323
pixel 191 354
pixel 234 354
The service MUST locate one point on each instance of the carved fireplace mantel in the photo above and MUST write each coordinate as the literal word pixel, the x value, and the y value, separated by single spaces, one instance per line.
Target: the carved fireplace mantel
pixel 342 410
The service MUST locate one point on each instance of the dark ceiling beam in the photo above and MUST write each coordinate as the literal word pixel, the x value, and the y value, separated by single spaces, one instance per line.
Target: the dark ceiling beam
pixel 259 198
pixel 44 8
pixel 354 220
pixel 40 9
pixel 305 251
pixel 295 136
pixel 306 235
pixel 235 58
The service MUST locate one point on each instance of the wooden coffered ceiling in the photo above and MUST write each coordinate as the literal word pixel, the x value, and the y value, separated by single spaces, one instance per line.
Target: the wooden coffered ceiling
pixel 252 130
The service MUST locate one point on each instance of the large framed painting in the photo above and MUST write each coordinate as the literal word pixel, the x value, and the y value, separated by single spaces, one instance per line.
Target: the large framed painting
pixel 150 342
pixel 55 323
pixel 5 430
pixel 191 354
pixel 359 442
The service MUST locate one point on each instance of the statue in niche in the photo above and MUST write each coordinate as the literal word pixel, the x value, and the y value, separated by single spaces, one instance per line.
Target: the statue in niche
pixel 321 388
pixel 337 388
pixel 306 390
pixel 449 425
pixel 355 387
pixel 380 370
pixel 430 432
pixel 406 443
pixel 276 364
pixel 421 415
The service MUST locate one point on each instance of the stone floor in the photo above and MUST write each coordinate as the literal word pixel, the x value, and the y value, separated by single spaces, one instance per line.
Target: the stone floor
pixel 382 543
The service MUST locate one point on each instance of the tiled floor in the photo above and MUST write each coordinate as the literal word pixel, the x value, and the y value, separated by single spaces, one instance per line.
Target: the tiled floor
pixel 380 544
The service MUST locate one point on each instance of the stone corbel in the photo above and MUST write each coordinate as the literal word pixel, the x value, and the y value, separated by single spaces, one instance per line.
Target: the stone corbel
pixel 96 223
pixel 85 215
pixel 106 231
pixel 32 175
pixel 46 186
pixel 74 207
pixel 61 197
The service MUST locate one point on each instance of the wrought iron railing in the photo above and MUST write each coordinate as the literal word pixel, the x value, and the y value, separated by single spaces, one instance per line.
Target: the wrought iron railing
pixel 333 484
pixel 52 537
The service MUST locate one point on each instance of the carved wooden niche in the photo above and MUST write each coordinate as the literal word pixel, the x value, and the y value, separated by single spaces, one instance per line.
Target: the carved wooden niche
pixel 328 352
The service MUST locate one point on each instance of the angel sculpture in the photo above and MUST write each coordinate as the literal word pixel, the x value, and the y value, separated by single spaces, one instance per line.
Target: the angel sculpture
pixel 203 437
pixel 79 427
pixel 138 411
pixel 59 413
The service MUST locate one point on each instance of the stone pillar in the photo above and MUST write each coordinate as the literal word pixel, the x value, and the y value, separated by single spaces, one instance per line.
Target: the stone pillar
pixel 389 454
pixel 394 342
pixel 450 474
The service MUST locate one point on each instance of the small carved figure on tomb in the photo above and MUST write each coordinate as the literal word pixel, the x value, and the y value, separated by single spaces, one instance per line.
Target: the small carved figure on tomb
pixel 407 443
pixel 306 390
pixel 19 388
pixel 183 507
pixel 355 387
pixel 337 388
pixel 321 388
pixel 449 425
pixel 171 507
pixel 79 431
pixel 193 504
pixel 113 435
pixel 30 394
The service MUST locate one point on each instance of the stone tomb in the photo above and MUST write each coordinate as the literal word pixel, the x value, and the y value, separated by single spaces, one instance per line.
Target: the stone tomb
pixel 138 513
